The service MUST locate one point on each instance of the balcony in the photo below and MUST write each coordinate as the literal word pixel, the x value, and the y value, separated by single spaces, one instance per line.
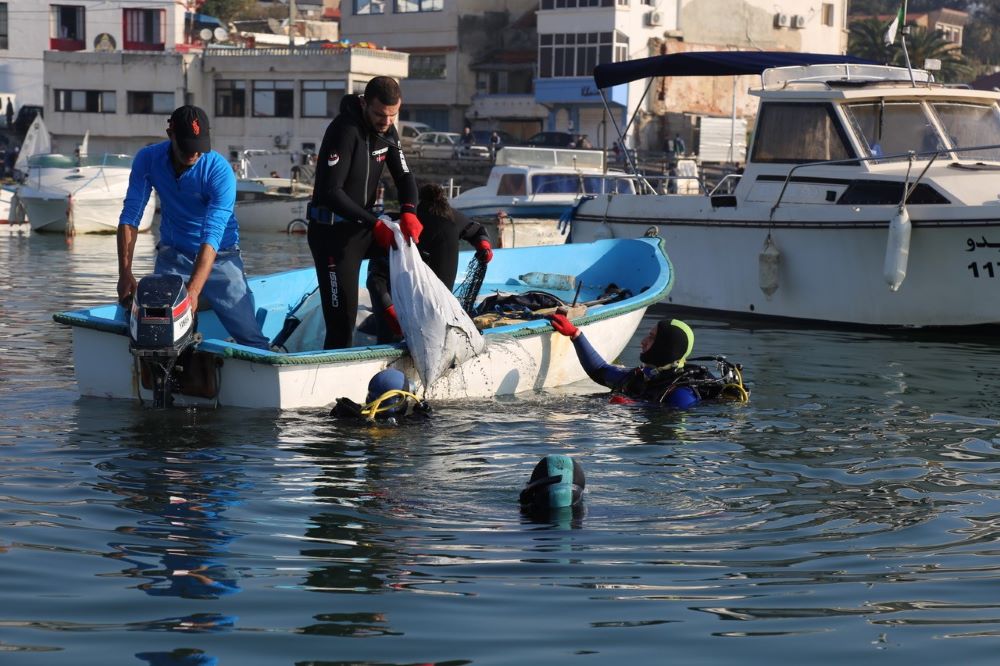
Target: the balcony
pixel 66 44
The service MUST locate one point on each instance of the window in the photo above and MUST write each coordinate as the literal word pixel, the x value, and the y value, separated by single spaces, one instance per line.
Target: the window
pixel 799 133
pixel 144 29
pixel 827 13
pixel 273 99
pixel 894 128
pixel 967 125
pixel 321 99
pixel 145 102
pixel 4 30
pixel 410 6
pixel 512 185
pixel 428 67
pixel 67 28
pixel 86 101
pixel 369 7
pixel 577 54
pixel 230 98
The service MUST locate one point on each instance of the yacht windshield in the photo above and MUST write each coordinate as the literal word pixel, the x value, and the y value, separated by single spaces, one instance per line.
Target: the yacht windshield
pixel 894 128
pixel 969 124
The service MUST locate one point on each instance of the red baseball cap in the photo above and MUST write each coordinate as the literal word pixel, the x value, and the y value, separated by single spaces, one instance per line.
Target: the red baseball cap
pixel 190 128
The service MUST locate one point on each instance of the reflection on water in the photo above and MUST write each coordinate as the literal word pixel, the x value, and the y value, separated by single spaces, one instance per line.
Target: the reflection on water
pixel 849 510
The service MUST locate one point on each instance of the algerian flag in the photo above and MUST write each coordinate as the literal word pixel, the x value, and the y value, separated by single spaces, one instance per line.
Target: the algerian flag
pixel 890 32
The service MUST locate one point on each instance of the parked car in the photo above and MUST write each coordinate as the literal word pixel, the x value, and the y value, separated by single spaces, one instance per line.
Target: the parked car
pixel 446 145
pixel 409 130
pixel 556 140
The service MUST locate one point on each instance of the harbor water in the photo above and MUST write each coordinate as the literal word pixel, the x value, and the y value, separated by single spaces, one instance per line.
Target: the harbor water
pixel 849 513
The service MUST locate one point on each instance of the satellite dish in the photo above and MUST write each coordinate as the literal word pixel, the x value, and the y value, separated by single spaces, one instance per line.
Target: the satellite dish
pixel 205 34
pixel 220 34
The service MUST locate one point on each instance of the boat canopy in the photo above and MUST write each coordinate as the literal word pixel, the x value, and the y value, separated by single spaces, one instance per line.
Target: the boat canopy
pixel 711 63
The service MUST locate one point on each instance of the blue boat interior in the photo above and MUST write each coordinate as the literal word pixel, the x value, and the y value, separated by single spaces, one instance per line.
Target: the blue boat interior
pixel 638 265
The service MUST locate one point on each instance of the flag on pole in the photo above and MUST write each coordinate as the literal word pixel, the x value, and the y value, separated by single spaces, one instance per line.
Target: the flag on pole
pixel 890 32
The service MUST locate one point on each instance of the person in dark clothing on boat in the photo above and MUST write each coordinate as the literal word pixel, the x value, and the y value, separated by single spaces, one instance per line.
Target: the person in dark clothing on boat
pixel 343 229
pixel 443 228
pixel 665 378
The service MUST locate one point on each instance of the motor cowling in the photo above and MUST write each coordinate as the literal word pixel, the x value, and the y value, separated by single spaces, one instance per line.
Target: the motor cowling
pixel 161 329
pixel 161 321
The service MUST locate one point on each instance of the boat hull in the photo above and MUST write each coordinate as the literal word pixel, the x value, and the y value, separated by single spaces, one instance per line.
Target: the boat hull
pixel 51 211
pixel 520 357
pixel 280 215
pixel 830 265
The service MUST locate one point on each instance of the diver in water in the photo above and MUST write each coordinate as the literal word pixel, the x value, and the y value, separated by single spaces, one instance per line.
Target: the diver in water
pixel 390 399
pixel 665 377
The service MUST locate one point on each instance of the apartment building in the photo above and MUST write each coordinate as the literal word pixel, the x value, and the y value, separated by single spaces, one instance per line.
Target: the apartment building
pixel 468 67
pixel 29 28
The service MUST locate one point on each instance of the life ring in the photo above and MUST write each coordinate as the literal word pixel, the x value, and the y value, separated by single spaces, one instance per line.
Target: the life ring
pixel 297 226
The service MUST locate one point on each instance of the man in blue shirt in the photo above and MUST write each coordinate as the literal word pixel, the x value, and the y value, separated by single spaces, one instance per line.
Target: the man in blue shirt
pixel 199 235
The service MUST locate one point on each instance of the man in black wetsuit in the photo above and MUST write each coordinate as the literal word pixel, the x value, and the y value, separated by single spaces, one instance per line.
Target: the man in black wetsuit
pixel 343 230
pixel 443 228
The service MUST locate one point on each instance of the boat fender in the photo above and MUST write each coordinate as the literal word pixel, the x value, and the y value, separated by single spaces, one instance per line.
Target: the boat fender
pixel 768 263
pixel 556 482
pixel 897 249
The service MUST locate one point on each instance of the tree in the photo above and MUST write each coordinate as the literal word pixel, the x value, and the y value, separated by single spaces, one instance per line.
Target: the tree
pixel 227 10
pixel 923 44
pixel 866 40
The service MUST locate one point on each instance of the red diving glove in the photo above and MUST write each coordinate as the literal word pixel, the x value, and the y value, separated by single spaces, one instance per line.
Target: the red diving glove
pixel 410 226
pixel 484 251
pixel 563 325
pixel 383 235
pixel 392 320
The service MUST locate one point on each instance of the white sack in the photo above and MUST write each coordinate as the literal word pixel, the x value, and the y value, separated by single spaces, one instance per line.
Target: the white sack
pixel 439 334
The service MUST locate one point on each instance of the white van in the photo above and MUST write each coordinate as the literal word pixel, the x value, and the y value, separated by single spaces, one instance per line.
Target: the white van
pixel 409 130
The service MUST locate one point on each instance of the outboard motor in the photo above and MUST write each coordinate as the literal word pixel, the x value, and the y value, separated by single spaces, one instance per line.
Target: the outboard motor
pixel 161 328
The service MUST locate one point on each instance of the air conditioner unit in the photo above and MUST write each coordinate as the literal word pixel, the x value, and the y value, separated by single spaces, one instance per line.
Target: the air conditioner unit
pixel 654 18
pixel 781 20
pixel 798 21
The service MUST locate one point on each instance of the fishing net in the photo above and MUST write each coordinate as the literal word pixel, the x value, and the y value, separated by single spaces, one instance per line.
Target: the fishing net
pixel 468 290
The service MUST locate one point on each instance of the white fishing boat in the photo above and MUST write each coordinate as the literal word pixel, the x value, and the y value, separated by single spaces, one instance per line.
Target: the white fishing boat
pixel 82 195
pixel 272 204
pixel 529 189
pixel 520 354
pixel 868 197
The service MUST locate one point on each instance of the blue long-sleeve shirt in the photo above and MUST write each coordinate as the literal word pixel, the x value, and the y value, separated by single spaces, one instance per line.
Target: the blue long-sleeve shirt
pixel 195 207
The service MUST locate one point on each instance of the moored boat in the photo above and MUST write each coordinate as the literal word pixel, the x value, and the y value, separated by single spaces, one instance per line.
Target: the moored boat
pixel 78 196
pixel 867 198
pixel 529 189
pixel 520 355
pixel 272 204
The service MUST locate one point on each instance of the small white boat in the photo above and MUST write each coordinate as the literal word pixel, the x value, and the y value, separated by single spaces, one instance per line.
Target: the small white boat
pixel 869 197
pixel 78 196
pixel 522 355
pixel 272 204
pixel 529 189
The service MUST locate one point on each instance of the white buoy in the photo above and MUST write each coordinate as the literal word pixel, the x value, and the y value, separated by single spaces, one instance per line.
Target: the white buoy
pixel 768 263
pixel 897 249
